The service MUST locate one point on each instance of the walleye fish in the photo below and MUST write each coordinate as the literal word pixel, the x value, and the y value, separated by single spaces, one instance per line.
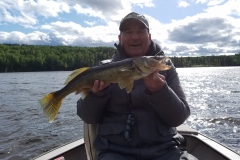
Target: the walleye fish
pixel 123 72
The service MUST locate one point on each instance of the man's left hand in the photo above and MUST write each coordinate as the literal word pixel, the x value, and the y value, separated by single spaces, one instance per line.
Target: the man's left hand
pixel 154 82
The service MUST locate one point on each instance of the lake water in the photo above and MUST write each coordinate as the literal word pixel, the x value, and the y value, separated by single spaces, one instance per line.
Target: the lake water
pixel 213 95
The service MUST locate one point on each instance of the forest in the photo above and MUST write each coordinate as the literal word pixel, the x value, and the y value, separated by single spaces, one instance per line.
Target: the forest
pixel 26 58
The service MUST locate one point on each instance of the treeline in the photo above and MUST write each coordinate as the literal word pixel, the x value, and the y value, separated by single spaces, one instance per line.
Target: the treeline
pixel 207 61
pixel 23 58
pixel 16 58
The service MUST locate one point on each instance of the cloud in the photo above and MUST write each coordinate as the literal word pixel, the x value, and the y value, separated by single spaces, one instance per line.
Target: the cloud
pixel 203 30
pixel 215 2
pixel 65 33
pixel 46 8
pixel 25 12
pixel 142 3
pixel 106 6
pixel 66 28
pixel 21 38
pixel 30 12
pixel 107 10
pixel 201 1
pixel 215 30
pixel 90 23
pixel 183 4
pixel 106 33
pixel 52 38
pixel 88 11
pixel 229 8
pixel 181 48
pixel 23 19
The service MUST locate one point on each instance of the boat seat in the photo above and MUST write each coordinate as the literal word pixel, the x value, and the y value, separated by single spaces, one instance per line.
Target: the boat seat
pixel 90 134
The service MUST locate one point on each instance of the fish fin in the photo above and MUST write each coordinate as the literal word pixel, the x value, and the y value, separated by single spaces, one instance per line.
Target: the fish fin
pixel 122 83
pixel 50 104
pixel 78 91
pixel 125 83
pixel 129 87
pixel 75 73
pixel 84 93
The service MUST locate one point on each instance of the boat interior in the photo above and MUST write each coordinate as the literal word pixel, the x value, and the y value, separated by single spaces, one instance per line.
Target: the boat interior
pixel 198 145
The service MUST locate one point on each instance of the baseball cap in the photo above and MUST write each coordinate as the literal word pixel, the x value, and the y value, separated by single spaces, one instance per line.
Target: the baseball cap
pixel 134 15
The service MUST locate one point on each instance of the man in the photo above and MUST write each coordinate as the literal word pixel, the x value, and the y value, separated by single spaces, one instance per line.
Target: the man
pixel 141 124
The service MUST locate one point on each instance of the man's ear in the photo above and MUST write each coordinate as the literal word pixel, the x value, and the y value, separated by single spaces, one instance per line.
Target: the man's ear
pixel 119 37
pixel 150 37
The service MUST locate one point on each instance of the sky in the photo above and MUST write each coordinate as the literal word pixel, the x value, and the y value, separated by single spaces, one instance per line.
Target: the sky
pixel 181 27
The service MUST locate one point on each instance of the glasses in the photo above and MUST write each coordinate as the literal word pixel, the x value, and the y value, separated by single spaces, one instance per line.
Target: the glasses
pixel 128 133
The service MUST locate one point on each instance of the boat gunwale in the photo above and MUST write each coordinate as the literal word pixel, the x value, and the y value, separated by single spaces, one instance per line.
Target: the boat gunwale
pixel 53 153
pixel 216 146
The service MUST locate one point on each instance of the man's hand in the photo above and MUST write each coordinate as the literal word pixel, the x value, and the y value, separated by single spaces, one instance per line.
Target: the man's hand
pixel 154 82
pixel 99 85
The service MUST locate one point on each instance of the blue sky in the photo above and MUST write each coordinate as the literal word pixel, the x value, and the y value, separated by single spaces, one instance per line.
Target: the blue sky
pixel 181 27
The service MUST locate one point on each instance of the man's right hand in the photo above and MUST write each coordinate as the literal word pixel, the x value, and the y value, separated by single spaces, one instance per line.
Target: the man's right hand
pixel 99 85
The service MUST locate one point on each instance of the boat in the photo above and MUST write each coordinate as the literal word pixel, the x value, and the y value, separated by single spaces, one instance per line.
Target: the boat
pixel 199 145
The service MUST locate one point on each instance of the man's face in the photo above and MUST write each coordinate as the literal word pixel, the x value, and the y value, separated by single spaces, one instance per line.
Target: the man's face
pixel 135 39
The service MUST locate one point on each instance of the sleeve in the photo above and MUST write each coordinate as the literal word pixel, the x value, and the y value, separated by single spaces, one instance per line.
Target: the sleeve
pixel 92 107
pixel 170 102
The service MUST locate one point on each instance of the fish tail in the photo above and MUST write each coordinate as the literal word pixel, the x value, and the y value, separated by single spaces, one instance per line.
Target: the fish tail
pixel 51 104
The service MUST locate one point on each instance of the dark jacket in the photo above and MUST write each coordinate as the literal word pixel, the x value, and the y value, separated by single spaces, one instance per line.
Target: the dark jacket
pixel 155 115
